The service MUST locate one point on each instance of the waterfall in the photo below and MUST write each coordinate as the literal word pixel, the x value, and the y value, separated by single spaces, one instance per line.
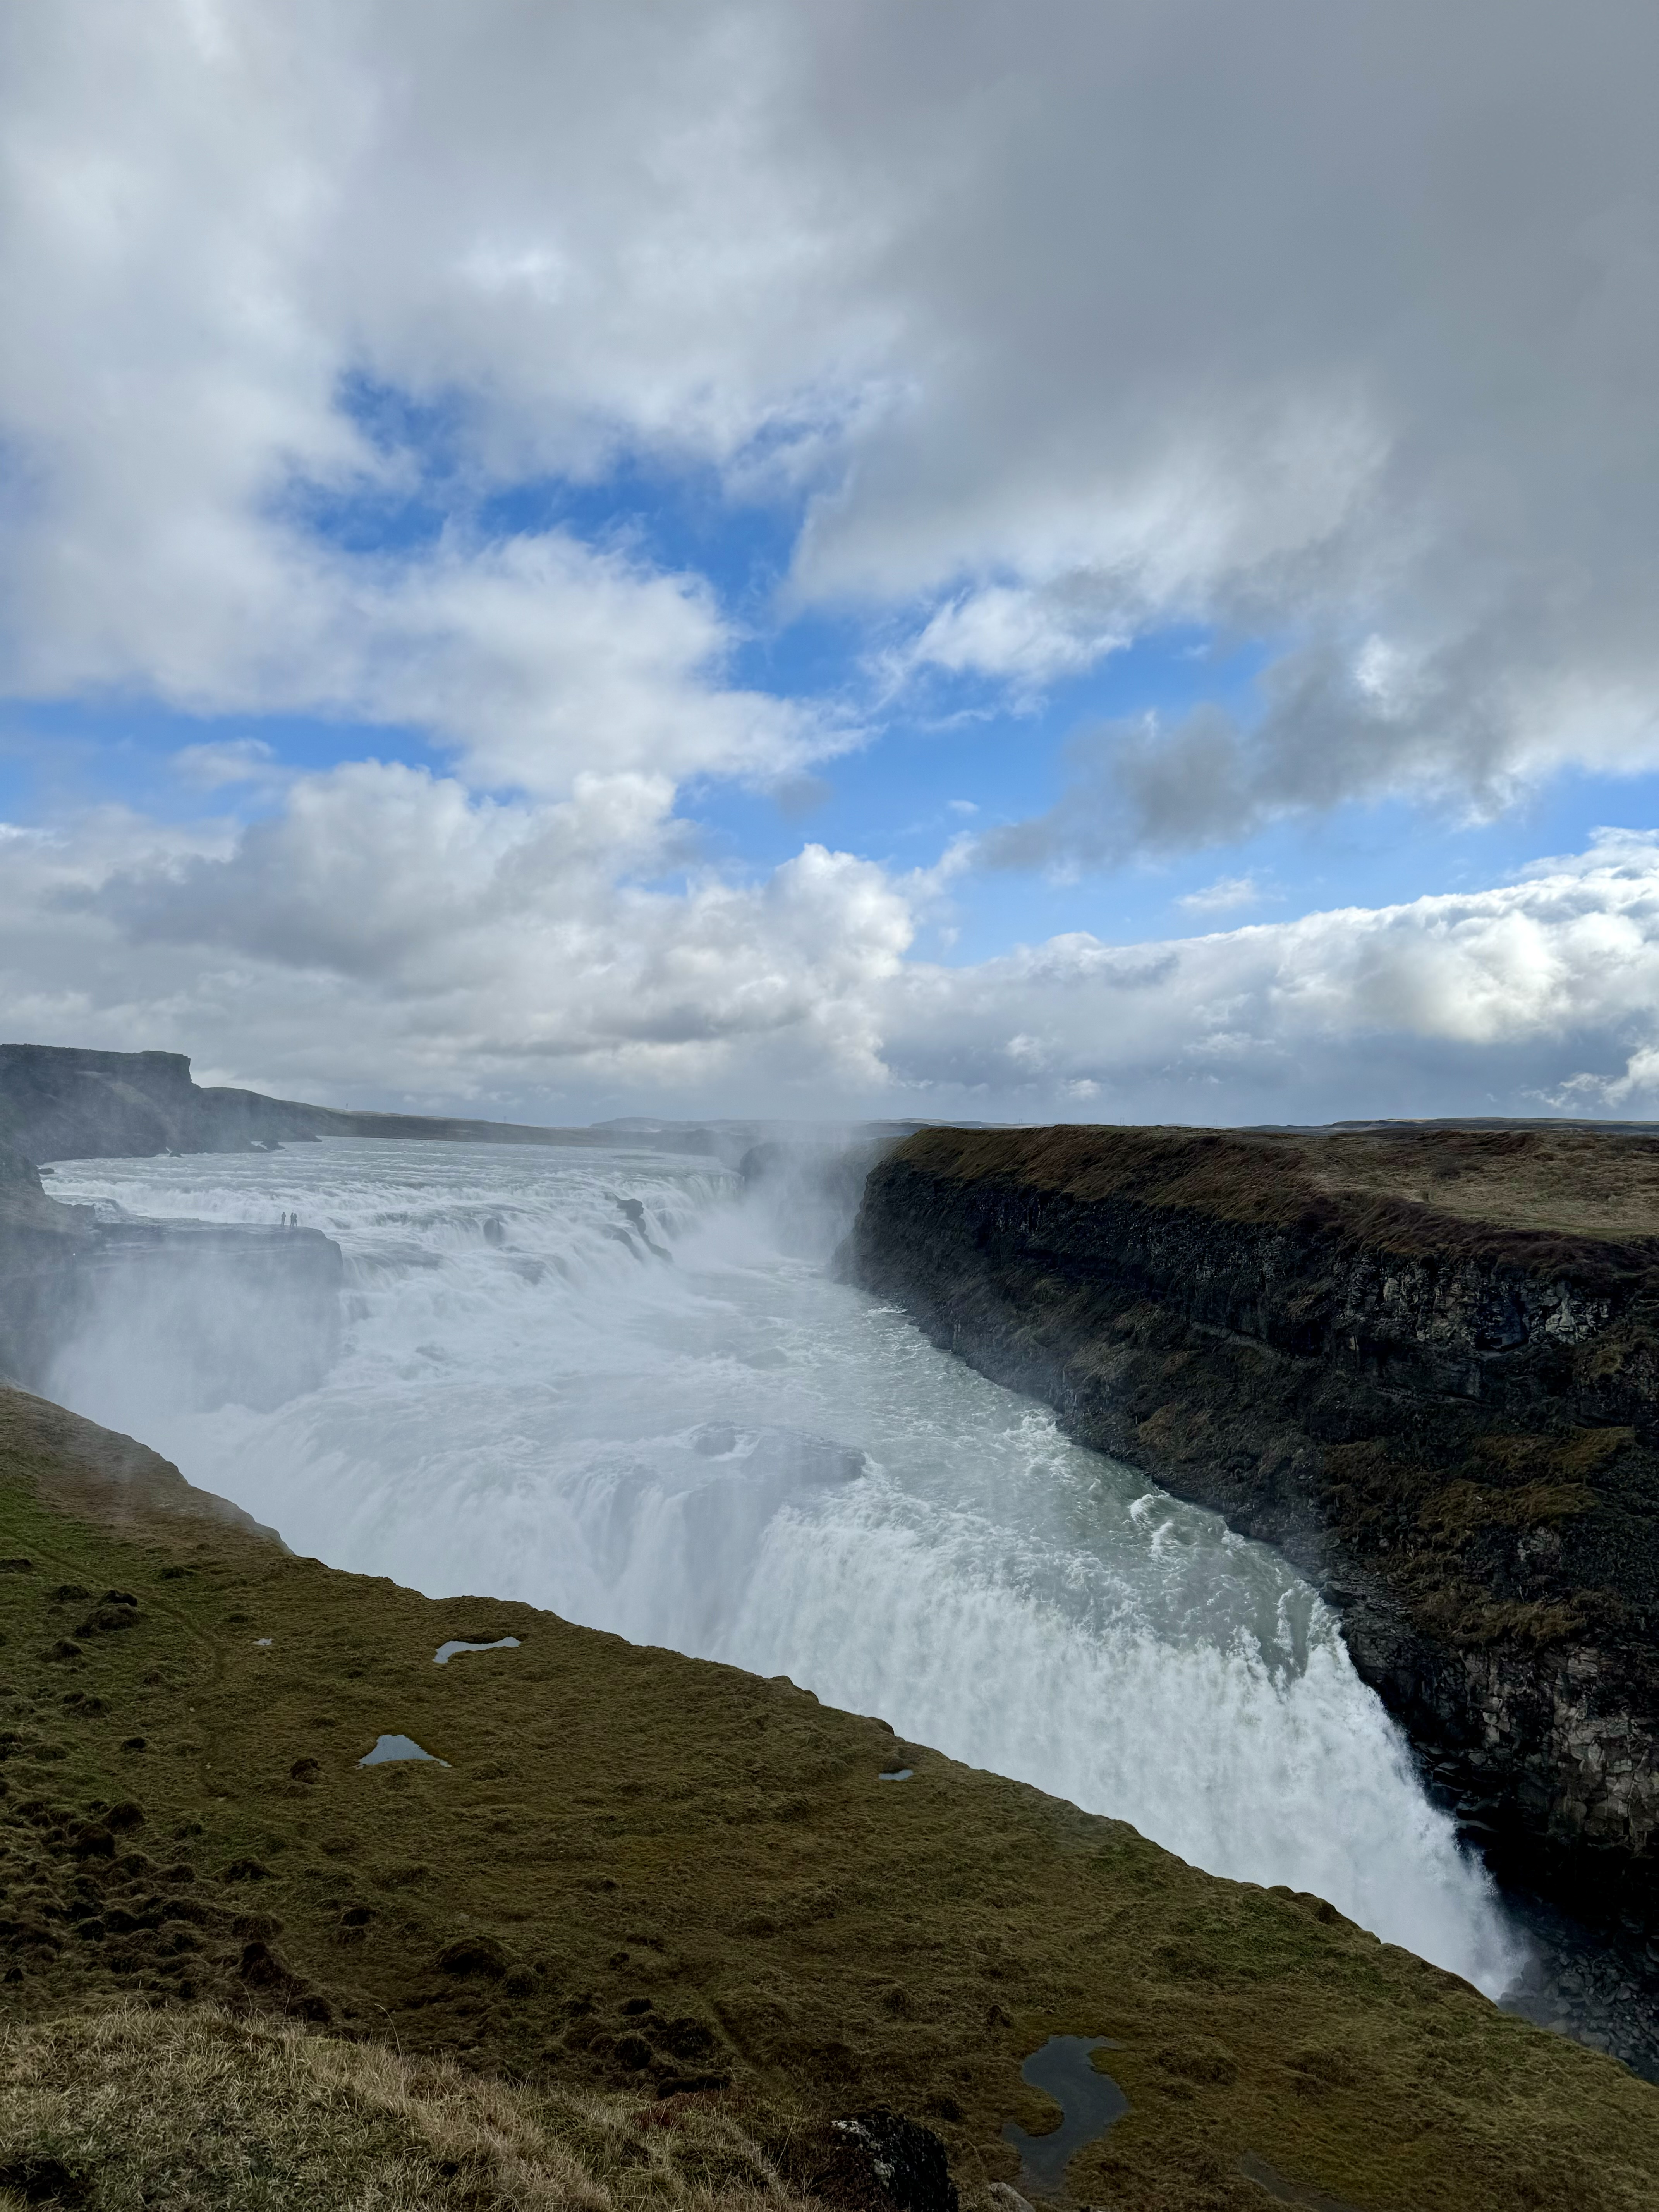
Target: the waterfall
pixel 610 1385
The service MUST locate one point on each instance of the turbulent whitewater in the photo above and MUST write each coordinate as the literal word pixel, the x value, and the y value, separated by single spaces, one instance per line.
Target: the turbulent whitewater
pixel 609 1384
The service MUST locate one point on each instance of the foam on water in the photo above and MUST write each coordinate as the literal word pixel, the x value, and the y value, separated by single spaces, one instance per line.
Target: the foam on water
pixel 594 1381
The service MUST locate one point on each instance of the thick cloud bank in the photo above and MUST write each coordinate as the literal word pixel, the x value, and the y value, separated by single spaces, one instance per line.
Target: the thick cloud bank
pixel 1025 333
pixel 1331 325
pixel 386 932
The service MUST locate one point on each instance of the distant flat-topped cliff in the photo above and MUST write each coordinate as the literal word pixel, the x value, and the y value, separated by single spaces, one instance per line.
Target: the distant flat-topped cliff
pixel 1424 1362
pixel 60 1103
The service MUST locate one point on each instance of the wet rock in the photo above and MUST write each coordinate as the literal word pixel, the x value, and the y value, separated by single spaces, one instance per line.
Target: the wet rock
pixel 877 2161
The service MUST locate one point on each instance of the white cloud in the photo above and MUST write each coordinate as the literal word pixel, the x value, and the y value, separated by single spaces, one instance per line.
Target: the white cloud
pixel 1028 637
pixel 221 216
pixel 386 934
pixel 1330 327
pixel 1226 895
pixel 226 763
pixel 1478 1002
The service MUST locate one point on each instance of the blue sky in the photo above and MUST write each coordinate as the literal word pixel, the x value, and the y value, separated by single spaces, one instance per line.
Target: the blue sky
pixel 743 571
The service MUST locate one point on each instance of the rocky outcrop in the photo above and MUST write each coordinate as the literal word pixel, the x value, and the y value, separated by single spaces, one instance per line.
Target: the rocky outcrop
pixel 1401 1358
pixel 229 1311
pixel 58 1102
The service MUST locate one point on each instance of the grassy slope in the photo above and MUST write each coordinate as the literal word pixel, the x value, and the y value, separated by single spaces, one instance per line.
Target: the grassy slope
pixel 666 1870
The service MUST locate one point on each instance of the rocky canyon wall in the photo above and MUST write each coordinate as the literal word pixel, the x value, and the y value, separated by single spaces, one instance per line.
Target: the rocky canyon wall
pixel 1425 1364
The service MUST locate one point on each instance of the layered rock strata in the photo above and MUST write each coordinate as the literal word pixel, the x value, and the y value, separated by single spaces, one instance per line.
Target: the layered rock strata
pixel 1422 1364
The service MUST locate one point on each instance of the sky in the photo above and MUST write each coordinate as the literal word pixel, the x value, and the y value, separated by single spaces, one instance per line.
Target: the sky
pixel 1097 561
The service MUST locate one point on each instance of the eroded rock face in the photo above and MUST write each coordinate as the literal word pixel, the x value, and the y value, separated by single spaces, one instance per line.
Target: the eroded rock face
pixel 1451 1426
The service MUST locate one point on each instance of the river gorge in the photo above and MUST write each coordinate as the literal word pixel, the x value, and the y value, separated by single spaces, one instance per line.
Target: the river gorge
pixel 606 1384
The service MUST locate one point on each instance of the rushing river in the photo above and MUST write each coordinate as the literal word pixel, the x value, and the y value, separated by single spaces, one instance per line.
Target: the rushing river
pixel 600 1382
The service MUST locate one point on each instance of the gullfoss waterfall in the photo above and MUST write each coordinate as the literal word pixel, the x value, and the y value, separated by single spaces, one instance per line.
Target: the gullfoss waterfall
pixel 614 1385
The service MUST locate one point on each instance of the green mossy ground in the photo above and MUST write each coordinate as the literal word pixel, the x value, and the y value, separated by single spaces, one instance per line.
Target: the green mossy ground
pixel 639 1871
pixel 1547 1196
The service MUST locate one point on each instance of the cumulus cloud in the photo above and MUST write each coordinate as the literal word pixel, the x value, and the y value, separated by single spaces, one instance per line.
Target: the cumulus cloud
pixel 388 928
pixel 387 934
pixel 1526 997
pixel 1327 326
pixel 228 224
pixel 1332 326
pixel 1329 329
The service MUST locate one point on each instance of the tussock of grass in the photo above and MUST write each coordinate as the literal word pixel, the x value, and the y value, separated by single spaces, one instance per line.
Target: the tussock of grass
pixel 202 2110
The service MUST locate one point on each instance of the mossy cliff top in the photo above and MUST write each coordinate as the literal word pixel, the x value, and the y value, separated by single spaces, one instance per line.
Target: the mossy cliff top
pixel 1546 1195
pixel 640 1874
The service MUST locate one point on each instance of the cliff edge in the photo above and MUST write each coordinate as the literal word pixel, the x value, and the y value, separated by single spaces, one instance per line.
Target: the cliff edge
pixel 1422 1362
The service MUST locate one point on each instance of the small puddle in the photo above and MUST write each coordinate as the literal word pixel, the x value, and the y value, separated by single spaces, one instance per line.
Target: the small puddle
pixel 445 1652
pixel 397 1746
pixel 1089 2103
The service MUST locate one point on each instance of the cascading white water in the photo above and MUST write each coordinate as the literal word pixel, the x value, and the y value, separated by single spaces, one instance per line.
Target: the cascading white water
pixel 594 1381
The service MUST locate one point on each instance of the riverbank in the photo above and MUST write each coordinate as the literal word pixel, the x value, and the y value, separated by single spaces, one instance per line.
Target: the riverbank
pixel 638 1871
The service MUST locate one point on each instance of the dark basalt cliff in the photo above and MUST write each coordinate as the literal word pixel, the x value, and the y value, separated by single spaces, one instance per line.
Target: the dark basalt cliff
pixel 1424 1364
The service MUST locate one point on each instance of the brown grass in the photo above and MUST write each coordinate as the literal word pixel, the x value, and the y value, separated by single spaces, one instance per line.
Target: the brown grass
pixel 203 2111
